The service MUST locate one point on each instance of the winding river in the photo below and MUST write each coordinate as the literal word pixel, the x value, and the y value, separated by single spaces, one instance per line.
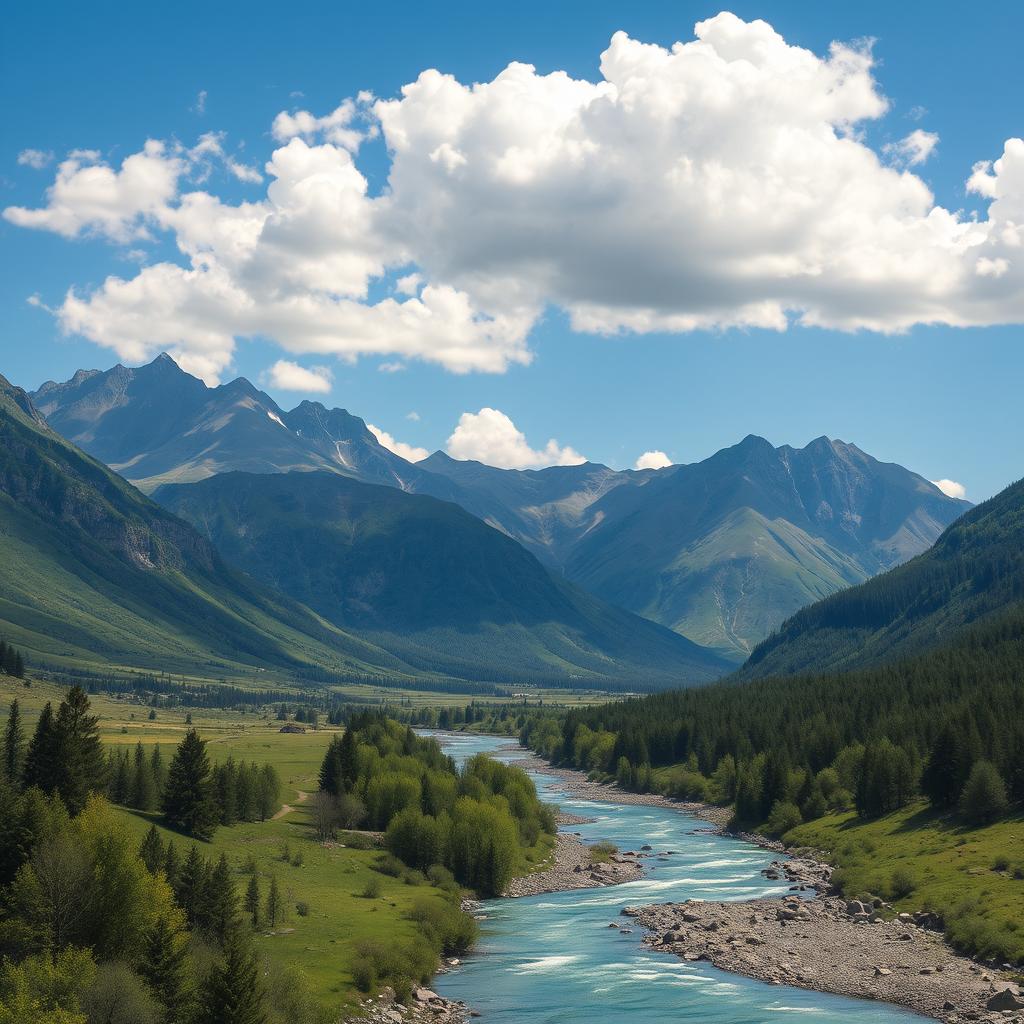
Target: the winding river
pixel 553 959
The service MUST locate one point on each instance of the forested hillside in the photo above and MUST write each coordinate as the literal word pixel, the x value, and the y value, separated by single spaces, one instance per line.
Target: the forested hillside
pixel 974 571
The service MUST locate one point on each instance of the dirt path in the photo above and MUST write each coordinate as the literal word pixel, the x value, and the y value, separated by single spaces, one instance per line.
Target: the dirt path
pixel 302 797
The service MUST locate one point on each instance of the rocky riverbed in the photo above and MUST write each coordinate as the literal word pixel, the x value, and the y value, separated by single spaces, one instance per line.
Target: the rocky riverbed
pixel 425 1005
pixel 573 868
pixel 830 945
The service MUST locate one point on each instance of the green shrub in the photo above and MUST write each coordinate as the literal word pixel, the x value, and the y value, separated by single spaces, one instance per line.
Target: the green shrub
pixel 783 817
pixel 372 889
pixel 302 908
pixel 601 853
pixel 390 865
pixel 901 884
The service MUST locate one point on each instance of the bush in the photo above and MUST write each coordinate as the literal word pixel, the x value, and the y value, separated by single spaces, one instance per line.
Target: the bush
pixel 1001 863
pixel 390 865
pixel 902 884
pixel 444 925
pixel 783 817
pixel 438 875
pixel 302 908
pixel 601 853
pixel 372 889
pixel 984 798
pixel 358 841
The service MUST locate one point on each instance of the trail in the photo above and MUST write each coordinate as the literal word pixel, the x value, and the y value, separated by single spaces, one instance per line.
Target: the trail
pixel 302 797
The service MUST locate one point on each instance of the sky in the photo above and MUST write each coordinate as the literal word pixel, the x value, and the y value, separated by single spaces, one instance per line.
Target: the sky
pixel 536 233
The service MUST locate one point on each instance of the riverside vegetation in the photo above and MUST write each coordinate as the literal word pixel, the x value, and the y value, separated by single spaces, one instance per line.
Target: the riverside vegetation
pixel 907 771
pixel 231 893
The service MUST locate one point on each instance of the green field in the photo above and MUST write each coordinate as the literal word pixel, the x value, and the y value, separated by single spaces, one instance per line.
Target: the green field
pixel 974 877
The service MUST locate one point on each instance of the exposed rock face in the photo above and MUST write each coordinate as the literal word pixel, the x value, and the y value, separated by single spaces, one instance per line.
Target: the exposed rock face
pixel 830 945
pixel 424 1005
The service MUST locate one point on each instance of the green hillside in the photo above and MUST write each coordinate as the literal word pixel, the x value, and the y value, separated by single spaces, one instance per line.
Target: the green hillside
pixel 428 581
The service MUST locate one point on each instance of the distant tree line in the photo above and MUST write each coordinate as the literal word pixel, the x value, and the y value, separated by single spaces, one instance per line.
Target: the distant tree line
pixel 476 823
pixel 12 661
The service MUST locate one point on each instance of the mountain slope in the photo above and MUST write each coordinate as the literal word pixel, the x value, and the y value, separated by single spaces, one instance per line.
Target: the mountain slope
pixel 973 575
pixel 91 571
pixel 428 581
pixel 726 549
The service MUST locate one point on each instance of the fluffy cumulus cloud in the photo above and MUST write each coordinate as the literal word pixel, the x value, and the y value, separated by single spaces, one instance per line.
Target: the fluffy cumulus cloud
pixel 289 376
pixel 951 488
pixel 653 460
pixel 489 436
pixel 721 182
pixel 409 452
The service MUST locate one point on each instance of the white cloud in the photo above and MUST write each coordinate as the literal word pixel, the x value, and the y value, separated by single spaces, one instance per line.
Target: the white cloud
pixel 408 452
pixel 88 195
pixel 722 182
pixel 200 107
pixel 653 460
pixel 489 436
pixel 35 158
pixel 291 377
pixel 951 488
pixel 243 172
pixel 414 416
pixel 914 149
pixel 338 127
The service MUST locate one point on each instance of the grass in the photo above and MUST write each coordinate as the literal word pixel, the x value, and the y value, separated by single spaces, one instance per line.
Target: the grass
pixel 919 859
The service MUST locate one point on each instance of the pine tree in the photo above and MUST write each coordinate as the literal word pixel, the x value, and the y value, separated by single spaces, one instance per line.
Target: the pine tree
pixel 191 889
pixel 80 754
pixel 163 967
pixel 152 850
pixel 275 908
pixel 156 769
pixel 172 865
pixel 252 901
pixel 188 802
pixel 221 902
pixel 330 769
pixel 14 744
pixel 143 791
pixel 41 758
pixel 120 785
pixel 349 764
pixel 225 785
pixel 984 798
pixel 245 793
pixel 232 992
pixel 268 788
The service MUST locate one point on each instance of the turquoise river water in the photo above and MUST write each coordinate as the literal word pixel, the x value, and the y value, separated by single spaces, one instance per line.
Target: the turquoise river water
pixel 552 959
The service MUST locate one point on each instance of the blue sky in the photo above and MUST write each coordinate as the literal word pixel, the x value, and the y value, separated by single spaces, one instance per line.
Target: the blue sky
pixel 942 400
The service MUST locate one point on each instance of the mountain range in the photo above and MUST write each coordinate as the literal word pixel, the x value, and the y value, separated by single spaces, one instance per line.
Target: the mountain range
pixel 93 571
pixel 721 551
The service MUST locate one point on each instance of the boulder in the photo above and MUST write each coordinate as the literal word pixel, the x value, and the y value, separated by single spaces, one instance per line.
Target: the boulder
pixel 1005 999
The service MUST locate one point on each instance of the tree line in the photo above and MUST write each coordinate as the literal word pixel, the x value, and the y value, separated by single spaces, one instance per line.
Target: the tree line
pixel 12 661
pixel 476 823
pixel 945 725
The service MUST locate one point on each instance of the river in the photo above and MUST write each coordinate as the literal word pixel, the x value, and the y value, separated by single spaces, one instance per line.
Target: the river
pixel 553 959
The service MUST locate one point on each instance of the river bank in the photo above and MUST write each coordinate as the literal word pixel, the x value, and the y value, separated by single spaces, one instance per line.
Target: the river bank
pixel 825 944
pixel 829 945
